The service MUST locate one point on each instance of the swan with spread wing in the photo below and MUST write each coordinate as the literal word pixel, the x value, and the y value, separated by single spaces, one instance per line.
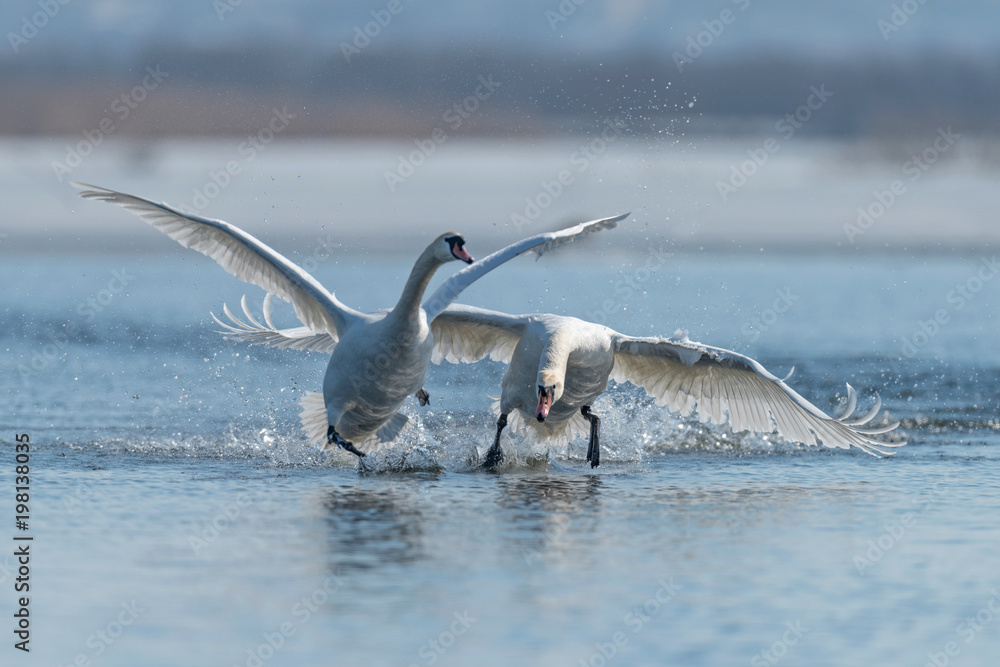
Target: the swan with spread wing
pixel 558 366
pixel 377 359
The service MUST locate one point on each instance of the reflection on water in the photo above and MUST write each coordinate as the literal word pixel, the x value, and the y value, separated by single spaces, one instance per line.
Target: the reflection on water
pixel 371 528
pixel 549 517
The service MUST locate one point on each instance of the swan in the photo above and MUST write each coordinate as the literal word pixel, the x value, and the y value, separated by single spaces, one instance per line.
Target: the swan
pixel 376 359
pixel 559 365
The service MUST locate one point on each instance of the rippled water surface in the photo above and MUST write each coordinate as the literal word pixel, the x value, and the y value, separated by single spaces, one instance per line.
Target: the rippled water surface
pixel 180 516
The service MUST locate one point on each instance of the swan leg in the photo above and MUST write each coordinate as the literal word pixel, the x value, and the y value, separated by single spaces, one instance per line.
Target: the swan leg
pixel 423 396
pixel 594 447
pixel 494 457
pixel 332 437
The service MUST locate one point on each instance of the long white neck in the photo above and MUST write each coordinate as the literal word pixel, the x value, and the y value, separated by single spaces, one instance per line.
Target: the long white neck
pixel 555 356
pixel 413 292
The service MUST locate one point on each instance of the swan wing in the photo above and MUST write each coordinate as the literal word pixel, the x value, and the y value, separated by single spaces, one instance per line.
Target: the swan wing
pixel 719 384
pixel 465 334
pixel 540 244
pixel 241 255
pixel 254 333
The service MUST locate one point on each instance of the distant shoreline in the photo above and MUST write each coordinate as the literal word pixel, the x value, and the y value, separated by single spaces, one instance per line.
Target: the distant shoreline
pixel 810 196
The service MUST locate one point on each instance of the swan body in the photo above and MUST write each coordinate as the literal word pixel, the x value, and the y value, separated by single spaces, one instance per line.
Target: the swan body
pixel 575 366
pixel 377 359
pixel 366 384
pixel 375 367
pixel 559 365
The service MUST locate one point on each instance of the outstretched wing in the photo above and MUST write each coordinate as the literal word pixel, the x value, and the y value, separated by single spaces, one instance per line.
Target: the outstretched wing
pixel 541 243
pixel 255 333
pixel 719 384
pixel 462 334
pixel 241 255
pixel 465 334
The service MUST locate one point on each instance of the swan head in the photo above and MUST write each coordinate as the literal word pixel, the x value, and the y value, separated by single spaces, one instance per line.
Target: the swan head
pixel 451 246
pixel 550 390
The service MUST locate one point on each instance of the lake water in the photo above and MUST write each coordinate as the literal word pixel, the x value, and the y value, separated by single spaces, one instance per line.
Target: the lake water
pixel 180 517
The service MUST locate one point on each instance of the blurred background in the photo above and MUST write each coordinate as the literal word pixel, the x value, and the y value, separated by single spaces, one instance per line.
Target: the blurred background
pixel 733 124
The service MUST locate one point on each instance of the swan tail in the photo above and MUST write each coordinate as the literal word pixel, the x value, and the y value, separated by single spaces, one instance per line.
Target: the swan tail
pixel 392 428
pixel 315 423
pixel 313 418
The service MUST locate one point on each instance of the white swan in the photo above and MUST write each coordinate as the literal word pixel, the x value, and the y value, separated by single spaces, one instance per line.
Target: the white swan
pixel 377 359
pixel 559 365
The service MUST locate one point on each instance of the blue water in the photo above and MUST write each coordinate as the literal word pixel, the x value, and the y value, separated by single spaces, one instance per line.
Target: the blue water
pixel 180 517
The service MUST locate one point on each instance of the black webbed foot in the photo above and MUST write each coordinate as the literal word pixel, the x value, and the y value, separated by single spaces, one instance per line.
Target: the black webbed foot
pixel 332 437
pixel 423 396
pixel 494 457
pixel 594 446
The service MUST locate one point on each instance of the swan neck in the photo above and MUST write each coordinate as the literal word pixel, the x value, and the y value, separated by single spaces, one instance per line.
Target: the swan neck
pixel 416 284
pixel 555 354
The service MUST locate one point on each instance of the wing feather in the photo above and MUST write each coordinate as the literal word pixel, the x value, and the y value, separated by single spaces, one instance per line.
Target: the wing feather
pixel 720 385
pixel 540 244
pixel 761 419
pixel 255 333
pixel 465 334
pixel 738 406
pixel 241 255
